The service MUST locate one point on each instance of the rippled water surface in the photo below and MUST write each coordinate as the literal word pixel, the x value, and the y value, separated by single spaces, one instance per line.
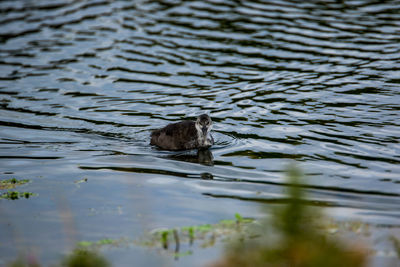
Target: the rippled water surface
pixel 83 83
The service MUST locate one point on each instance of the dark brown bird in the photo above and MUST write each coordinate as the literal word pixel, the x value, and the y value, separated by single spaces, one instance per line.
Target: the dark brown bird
pixel 184 135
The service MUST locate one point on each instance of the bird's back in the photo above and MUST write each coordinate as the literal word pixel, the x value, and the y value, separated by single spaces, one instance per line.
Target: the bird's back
pixel 176 136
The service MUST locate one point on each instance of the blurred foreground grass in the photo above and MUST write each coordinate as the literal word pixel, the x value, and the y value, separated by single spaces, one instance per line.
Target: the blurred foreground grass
pixel 78 258
pixel 294 235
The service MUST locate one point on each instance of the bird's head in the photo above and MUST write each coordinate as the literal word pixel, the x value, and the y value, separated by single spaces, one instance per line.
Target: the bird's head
pixel 204 124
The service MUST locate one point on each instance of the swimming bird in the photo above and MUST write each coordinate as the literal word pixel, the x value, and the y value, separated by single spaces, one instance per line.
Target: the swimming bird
pixel 184 135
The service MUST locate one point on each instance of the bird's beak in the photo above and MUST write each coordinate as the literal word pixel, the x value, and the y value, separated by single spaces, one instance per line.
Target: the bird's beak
pixel 204 129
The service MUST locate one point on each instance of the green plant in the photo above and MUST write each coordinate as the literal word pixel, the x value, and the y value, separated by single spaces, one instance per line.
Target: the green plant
pixel 12 195
pixel 12 183
pixel 85 258
pixel 291 238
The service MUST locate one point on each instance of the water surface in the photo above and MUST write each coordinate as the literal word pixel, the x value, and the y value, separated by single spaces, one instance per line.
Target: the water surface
pixel 83 83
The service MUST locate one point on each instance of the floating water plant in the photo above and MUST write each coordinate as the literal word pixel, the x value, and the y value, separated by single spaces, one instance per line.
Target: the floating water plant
pixel 12 195
pixel 173 240
pixel 12 183
pixel 100 243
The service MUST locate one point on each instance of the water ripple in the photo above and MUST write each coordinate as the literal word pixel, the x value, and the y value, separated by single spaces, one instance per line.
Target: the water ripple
pixel 314 82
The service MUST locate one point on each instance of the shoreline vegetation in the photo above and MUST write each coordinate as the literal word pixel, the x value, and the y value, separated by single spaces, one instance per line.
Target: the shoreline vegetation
pixel 291 234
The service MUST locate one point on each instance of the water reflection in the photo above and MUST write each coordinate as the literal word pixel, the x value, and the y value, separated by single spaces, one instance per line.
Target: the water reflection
pixel 202 156
pixel 206 176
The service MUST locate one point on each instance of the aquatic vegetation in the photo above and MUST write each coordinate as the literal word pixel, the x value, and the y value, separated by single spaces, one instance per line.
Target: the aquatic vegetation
pixel 100 243
pixel 85 258
pixel 12 183
pixel 12 195
pixel 185 236
pixel 292 237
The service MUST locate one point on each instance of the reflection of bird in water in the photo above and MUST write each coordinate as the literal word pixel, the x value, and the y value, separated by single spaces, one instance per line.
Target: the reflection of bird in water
pixel 184 135
pixel 203 156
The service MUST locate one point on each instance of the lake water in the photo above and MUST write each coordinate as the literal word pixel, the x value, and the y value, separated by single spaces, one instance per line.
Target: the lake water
pixel 83 83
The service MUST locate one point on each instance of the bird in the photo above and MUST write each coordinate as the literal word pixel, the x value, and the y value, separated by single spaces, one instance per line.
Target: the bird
pixel 184 135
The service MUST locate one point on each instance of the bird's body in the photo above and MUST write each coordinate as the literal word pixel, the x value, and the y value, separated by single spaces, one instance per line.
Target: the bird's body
pixel 184 135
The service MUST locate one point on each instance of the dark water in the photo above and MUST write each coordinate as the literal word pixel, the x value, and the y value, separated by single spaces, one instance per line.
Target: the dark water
pixel 84 82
